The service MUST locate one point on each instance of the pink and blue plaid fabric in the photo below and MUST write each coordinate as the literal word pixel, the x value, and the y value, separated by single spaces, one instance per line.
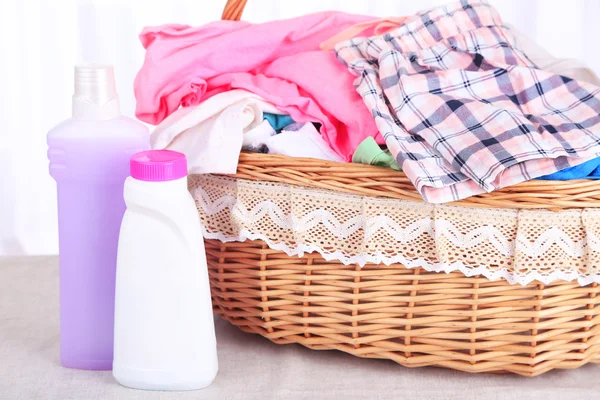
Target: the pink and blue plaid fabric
pixel 463 110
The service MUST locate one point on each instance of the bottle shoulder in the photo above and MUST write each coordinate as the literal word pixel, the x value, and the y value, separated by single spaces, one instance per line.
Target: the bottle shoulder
pixel 166 206
pixel 120 128
pixel 171 199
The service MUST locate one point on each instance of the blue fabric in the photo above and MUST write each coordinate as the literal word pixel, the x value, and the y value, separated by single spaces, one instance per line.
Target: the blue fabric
pixel 587 170
pixel 278 122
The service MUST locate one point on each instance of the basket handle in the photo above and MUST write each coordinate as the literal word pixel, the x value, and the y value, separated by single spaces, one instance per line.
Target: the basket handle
pixel 233 10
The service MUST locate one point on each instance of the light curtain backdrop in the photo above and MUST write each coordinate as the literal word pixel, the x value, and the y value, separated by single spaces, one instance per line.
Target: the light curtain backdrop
pixel 42 40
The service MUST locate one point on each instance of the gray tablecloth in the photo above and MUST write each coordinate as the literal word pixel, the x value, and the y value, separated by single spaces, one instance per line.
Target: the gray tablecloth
pixel 251 367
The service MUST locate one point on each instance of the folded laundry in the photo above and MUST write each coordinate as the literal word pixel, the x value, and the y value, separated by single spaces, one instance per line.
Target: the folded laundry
pixel 280 61
pixel 278 122
pixel 254 139
pixel 296 140
pixel 211 134
pixel 369 152
pixel 537 55
pixel 587 170
pixel 464 110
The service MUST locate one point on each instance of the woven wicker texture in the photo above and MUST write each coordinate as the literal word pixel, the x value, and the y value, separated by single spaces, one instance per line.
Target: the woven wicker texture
pixel 411 316
pixel 385 182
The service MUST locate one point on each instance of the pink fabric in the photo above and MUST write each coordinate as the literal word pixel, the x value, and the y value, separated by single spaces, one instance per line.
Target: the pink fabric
pixel 382 25
pixel 279 60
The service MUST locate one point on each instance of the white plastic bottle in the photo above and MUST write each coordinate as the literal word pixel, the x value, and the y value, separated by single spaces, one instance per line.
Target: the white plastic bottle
pixel 164 327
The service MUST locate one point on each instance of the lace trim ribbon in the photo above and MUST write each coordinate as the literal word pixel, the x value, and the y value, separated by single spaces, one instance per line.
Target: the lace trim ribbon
pixel 519 246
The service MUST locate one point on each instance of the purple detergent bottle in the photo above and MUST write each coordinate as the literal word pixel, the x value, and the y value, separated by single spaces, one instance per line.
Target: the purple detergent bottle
pixel 89 159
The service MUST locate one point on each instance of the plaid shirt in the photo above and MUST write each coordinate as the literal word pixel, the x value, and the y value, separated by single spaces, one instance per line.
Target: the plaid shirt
pixel 464 110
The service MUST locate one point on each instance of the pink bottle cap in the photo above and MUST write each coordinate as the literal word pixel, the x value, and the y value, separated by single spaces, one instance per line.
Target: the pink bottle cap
pixel 158 165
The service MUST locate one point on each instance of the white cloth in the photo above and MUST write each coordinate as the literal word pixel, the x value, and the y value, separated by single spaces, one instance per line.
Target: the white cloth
pixel 211 134
pixel 571 68
pixel 255 139
pixel 301 140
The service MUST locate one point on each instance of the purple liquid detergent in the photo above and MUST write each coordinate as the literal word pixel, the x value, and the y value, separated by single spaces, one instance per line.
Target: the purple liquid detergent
pixel 89 159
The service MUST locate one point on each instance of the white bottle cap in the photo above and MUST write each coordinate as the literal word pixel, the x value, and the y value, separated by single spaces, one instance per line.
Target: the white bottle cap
pixel 95 96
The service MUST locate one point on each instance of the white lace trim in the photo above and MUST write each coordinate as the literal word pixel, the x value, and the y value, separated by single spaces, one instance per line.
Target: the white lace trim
pixel 518 246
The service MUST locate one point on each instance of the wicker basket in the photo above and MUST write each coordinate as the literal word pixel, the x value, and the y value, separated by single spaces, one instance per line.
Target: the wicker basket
pixel 411 316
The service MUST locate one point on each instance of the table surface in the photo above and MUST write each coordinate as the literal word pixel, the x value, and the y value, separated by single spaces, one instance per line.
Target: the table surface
pixel 250 367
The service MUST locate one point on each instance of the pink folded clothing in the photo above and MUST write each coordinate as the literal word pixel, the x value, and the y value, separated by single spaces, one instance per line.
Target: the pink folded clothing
pixel 279 61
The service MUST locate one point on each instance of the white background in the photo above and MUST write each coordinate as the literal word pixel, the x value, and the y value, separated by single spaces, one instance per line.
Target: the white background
pixel 42 40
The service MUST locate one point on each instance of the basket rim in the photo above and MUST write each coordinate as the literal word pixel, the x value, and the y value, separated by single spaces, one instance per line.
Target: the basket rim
pixel 374 181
